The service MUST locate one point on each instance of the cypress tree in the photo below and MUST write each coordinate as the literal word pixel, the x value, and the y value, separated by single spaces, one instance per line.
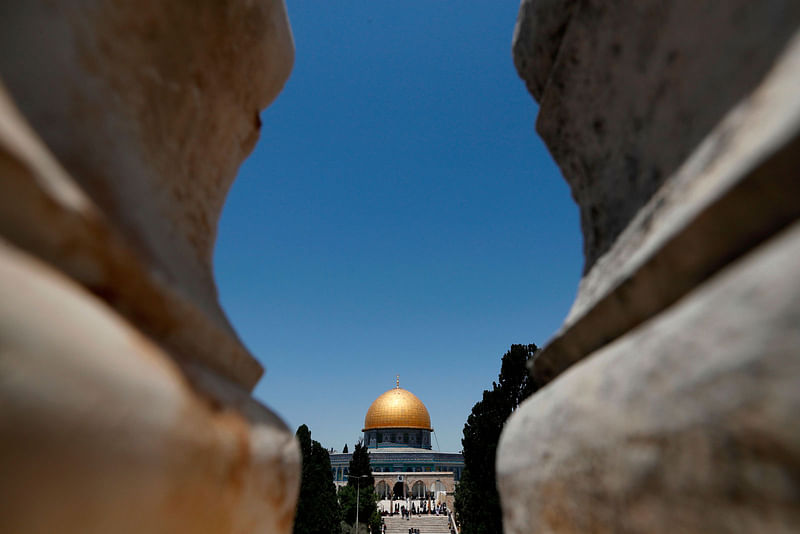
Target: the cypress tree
pixel 317 508
pixel 477 502
pixel 360 479
pixel 359 466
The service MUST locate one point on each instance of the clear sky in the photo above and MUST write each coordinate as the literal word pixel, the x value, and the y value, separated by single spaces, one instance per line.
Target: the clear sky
pixel 399 215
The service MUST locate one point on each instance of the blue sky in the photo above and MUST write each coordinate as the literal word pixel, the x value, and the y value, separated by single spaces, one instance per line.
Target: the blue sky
pixel 399 215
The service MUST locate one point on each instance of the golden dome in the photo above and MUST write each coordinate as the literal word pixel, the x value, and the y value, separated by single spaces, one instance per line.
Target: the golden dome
pixel 397 408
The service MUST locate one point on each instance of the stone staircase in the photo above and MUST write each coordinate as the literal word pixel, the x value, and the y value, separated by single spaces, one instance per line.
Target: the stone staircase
pixel 427 524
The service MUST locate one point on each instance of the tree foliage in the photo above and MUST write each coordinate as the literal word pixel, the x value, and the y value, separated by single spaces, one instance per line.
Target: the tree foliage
pixel 360 479
pixel 344 450
pixel 359 467
pixel 477 502
pixel 317 508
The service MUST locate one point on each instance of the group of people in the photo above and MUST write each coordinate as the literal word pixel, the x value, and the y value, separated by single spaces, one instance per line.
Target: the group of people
pixel 413 509
pixel 411 530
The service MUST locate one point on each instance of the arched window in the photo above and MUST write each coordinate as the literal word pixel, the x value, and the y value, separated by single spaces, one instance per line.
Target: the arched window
pixel 383 490
pixel 400 490
pixel 418 490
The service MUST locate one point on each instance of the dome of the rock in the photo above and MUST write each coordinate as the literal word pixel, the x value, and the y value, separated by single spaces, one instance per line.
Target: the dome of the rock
pixel 397 408
pixel 397 435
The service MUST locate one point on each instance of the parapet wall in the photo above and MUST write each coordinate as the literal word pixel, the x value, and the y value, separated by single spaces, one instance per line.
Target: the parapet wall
pixel 668 393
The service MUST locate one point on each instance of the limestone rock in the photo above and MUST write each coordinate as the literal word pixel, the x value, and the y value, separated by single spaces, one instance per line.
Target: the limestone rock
pixel 149 108
pixel 670 390
pixel 731 184
pixel 125 400
pixel 104 432
pixel 537 39
pixel 629 89
pixel 687 424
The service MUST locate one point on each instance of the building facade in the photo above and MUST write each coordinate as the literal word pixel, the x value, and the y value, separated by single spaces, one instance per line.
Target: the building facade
pixel 397 432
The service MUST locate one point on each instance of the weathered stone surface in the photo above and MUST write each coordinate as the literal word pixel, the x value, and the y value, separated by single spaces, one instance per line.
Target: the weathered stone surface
pixel 737 187
pixel 124 392
pixel 671 388
pixel 103 432
pixel 687 424
pixel 44 211
pixel 149 108
pixel 634 87
pixel 537 39
pixel 737 169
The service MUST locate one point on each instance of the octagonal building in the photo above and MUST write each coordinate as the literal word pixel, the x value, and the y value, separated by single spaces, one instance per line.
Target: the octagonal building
pixel 397 432
pixel 397 419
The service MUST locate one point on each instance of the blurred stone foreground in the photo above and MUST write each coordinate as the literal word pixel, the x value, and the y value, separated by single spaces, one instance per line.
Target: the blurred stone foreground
pixel 671 394
pixel 125 400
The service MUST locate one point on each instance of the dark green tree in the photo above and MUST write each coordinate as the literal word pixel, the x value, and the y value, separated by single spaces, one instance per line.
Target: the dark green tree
pixel 477 502
pixel 317 508
pixel 359 467
pixel 359 478
pixel 344 451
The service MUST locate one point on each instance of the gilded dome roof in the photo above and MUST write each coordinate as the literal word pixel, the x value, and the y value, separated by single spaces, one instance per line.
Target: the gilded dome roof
pixel 397 408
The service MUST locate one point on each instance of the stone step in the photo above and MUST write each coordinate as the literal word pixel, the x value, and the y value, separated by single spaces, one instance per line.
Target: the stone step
pixel 427 524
